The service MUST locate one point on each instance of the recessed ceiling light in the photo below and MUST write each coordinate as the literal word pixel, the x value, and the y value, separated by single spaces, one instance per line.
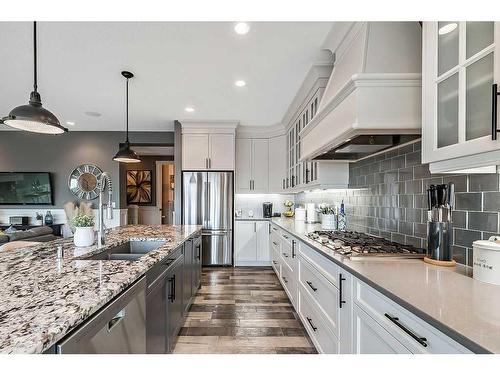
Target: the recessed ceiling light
pixel 448 28
pixel 189 109
pixel 241 28
pixel 240 83
pixel 70 123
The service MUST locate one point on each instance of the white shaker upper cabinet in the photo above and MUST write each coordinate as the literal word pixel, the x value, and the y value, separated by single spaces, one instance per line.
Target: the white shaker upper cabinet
pixel 277 164
pixel 208 151
pixel 195 151
pixel 460 66
pixel 221 152
pixel 252 165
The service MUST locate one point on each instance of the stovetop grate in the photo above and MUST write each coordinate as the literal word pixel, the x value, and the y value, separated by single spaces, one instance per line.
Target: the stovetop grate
pixel 353 244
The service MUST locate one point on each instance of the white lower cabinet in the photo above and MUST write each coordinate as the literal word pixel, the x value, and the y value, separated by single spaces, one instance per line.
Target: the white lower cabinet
pixel 369 337
pixel 251 243
pixel 409 330
pixel 319 331
pixel 341 313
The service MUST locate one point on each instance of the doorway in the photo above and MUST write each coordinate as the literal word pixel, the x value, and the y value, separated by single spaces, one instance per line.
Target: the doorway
pixel 165 191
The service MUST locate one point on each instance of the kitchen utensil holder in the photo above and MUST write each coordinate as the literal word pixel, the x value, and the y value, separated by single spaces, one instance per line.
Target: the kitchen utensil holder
pixel 440 243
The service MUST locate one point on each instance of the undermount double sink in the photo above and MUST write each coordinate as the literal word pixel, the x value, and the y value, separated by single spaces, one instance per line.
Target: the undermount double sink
pixel 131 250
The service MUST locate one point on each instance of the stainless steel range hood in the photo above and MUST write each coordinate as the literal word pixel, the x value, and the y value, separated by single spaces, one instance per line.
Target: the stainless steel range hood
pixel 373 98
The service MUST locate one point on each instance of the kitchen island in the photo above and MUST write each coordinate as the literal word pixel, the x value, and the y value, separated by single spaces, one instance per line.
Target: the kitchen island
pixel 43 298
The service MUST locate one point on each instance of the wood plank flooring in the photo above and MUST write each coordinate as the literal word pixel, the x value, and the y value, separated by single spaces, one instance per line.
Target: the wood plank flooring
pixel 242 310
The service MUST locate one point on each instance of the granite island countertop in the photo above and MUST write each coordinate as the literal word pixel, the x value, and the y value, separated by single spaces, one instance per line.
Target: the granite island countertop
pixel 447 298
pixel 42 298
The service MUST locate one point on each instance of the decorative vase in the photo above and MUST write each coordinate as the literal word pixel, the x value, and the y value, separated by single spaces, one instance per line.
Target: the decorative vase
pixel 84 236
pixel 328 221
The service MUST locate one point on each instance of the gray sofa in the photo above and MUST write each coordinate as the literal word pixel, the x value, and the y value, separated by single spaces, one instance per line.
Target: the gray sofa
pixel 38 234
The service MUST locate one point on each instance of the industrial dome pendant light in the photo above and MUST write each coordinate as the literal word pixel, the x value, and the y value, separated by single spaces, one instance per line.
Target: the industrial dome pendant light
pixel 125 154
pixel 32 117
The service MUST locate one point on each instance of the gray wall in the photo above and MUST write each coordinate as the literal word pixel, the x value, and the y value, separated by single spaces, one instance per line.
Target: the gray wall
pixel 387 197
pixel 59 155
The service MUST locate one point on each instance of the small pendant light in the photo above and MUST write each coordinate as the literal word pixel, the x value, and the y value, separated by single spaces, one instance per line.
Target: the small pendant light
pixel 125 154
pixel 32 117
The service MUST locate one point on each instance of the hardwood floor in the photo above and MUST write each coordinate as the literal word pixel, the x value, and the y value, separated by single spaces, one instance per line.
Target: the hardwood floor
pixel 242 310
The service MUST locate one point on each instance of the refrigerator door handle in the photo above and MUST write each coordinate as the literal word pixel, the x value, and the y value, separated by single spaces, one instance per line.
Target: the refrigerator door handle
pixel 205 214
pixel 208 204
pixel 216 233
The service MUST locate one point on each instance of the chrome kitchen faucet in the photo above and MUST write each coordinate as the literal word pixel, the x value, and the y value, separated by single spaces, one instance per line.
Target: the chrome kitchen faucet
pixel 104 180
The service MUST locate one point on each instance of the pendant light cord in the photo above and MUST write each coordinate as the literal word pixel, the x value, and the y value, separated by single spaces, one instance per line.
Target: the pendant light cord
pixel 127 111
pixel 35 85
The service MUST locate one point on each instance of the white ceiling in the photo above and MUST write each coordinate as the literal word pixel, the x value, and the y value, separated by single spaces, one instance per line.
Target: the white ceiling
pixel 176 64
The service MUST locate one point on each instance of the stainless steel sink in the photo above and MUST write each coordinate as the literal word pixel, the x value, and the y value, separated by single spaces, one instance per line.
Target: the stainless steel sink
pixel 131 250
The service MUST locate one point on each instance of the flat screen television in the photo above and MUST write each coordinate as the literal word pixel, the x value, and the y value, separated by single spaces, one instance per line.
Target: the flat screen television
pixel 26 188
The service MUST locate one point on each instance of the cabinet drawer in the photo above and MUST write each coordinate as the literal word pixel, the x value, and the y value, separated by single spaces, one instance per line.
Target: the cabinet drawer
pixel 289 283
pixel 275 229
pixel 289 253
pixel 369 337
pixel 325 266
pixel 323 338
pixel 415 334
pixel 275 262
pixel 275 242
pixel 322 292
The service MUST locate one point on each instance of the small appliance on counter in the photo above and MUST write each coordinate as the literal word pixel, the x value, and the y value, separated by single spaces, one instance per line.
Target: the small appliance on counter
pixel 486 260
pixel 311 214
pixel 300 214
pixel 267 209
pixel 441 200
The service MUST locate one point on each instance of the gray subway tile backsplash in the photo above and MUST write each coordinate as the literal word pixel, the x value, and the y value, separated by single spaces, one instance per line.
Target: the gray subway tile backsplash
pixel 483 182
pixel 484 221
pixel 468 201
pixel 387 197
pixel 492 201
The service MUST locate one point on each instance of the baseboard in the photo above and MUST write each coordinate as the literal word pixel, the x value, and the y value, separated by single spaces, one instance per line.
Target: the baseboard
pixel 252 263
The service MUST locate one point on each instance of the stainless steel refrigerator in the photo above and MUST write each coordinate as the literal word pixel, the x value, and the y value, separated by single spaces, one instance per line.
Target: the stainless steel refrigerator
pixel 207 200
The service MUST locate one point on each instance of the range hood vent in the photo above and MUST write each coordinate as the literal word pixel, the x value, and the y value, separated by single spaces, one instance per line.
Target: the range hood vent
pixel 365 145
pixel 373 98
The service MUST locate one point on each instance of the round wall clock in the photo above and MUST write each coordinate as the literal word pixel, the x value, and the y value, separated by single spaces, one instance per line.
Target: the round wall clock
pixel 82 182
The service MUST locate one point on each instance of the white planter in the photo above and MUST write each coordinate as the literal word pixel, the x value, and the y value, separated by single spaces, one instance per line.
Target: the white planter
pixel 84 236
pixel 328 221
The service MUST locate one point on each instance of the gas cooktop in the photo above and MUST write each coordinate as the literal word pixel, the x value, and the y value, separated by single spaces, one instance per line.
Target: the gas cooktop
pixel 355 244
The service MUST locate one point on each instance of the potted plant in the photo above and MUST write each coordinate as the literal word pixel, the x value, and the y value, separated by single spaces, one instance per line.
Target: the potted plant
pixel 288 204
pixel 39 219
pixel 84 230
pixel 328 216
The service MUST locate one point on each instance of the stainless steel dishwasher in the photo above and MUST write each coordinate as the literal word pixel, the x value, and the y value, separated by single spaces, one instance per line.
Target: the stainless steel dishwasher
pixel 120 327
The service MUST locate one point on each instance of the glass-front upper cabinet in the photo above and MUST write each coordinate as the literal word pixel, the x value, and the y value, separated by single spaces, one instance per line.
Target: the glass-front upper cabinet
pixel 460 66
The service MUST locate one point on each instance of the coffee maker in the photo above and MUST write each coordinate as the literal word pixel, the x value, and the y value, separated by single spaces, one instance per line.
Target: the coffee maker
pixel 267 209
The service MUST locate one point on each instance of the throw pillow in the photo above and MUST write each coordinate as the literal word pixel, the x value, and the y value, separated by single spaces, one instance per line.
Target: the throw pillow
pixel 10 229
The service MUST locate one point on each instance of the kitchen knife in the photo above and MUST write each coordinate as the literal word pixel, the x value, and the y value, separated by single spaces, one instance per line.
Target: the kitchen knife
pixel 451 195
pixel 433 195
pixel 441 195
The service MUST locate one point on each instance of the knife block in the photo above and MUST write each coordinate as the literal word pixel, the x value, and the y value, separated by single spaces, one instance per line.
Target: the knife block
pixel 440 243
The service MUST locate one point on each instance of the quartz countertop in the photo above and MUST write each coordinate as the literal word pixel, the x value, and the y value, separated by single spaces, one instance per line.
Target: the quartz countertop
pixel 43 298
pixel 253 218
pixel 448 298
